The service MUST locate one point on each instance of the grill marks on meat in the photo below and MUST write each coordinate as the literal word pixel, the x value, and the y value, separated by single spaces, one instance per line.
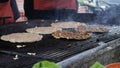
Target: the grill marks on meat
pixel 92 29
pixel 21 37
pixel 67 24
pixel 71 35
pixel 43 30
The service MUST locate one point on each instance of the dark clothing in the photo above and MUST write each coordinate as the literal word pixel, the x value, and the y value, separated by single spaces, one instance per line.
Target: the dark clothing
pixel 30 13
pixel 60 14
pixel 8 10
pixel 3 1
pixel 54 4
pixel 14 9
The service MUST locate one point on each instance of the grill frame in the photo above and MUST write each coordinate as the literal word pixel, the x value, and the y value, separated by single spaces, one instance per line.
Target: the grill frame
pixel 72 47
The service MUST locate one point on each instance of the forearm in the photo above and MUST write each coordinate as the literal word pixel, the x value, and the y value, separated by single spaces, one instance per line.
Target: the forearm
pixel 20 4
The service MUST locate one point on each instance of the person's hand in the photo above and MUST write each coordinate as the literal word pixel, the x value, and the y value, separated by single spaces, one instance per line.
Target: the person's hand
pixel 22 17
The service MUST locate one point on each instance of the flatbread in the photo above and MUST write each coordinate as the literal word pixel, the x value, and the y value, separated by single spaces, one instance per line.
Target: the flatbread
pixel 21 37
pixel 67 24
pixel 92 29
pixel 71 35
pixel 43 30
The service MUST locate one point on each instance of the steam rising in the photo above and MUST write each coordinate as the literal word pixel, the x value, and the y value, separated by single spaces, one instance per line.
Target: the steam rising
pixel 110 16
pixel 115 30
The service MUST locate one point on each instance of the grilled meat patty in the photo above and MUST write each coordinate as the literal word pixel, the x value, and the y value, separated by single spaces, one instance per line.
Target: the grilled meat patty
pixel 71 35
pixel 92 29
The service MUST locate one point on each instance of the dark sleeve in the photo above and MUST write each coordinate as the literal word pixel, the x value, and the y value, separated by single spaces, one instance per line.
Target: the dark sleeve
pixel 14 9
pixel 3 1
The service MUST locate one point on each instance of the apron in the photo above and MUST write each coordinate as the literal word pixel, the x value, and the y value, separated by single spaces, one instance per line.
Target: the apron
pixel 6 11
pixel 54 4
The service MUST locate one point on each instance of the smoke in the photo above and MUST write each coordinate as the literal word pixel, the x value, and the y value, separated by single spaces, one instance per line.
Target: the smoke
pixel 110 16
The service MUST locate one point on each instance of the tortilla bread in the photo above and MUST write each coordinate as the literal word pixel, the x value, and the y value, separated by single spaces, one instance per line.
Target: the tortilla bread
pixel 42 30
pixel 67 24
pixel 21 37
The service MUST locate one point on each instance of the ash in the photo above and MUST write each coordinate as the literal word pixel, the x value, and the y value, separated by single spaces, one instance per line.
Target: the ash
pixel 114 30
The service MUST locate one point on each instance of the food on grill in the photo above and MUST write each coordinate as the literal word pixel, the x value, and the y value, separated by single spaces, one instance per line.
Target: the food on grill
pixel 31 53
pixel 20 46
pixel 21 37
pixel 16 57
pixel 67 24
pixel 92 29
pixel 43 30
pixel 71 35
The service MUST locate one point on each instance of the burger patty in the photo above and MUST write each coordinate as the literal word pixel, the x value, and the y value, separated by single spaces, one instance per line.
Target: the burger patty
pixel 43 30
pixel 21 37
pixel 91 29
pixel 71 35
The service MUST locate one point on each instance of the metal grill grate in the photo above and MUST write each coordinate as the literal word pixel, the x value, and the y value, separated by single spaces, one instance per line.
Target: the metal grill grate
pixel 47 49
pixel 50 49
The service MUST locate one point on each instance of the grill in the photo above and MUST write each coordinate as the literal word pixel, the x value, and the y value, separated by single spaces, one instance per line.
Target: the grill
pixel 48 49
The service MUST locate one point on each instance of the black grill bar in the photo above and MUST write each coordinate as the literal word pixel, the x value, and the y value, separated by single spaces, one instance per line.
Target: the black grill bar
pixel 24 55
pixel 61 50
pixel 57 51
pixel 47 49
